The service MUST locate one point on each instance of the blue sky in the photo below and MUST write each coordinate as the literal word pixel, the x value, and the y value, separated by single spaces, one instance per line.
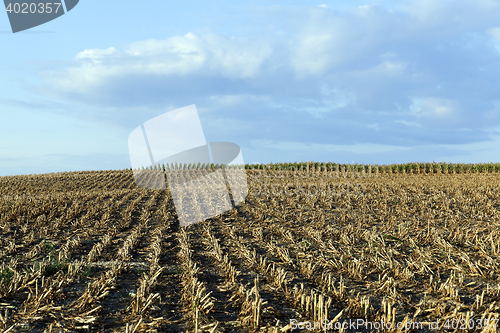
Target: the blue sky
pixel 342 81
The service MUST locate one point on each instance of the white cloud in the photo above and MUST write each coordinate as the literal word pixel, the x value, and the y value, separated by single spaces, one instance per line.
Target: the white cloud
pixel 392 67
pixel 388 55
pixel 408 123
pixel 215 55
pixel 336 98
pixel 494 32
pixel 433 107
pixel 95 53
pixel 445 12
pixel 227 100
pixel 227 127
pixel 327 41
pixel 383 69
pixel 330 99
pixel 223 101
pixel 228 57
pixel 312 54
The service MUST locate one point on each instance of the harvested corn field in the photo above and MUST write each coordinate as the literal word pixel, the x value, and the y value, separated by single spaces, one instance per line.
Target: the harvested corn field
pixel 409 252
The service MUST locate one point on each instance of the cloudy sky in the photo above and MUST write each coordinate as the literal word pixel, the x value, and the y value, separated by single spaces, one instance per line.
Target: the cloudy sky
pixel 343 81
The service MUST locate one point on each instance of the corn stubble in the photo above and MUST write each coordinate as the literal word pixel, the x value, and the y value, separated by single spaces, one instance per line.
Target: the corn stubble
pixel 90 251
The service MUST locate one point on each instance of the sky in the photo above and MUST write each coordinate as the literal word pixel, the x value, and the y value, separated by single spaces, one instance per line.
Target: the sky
pixel 371 82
